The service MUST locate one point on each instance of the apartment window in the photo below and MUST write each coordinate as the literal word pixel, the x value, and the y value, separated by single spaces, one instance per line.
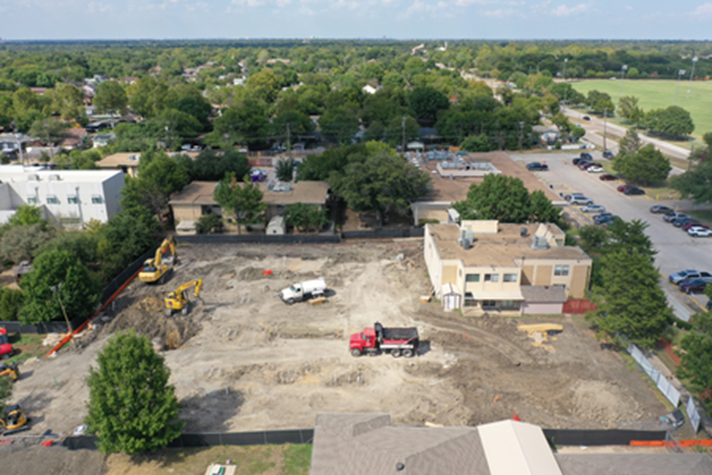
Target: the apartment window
pixel 489 304
pixel 52 200
pixel 491 277
pixel 510 277
pixel 561 270
pixel 472 277
pixel 470 300
pixel 72 200
pixel 97 200
pixel 31 200
pixel 509 305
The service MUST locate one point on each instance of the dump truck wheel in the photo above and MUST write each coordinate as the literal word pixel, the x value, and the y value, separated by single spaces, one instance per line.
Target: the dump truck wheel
pixel 396 353
pixel 355 352
pixel 408 353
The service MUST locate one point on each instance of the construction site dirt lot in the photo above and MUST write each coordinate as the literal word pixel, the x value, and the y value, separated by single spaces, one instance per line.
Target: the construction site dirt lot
pixel 244 360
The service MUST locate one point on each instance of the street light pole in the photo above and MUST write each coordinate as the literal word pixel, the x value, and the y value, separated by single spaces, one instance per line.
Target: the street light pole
pixel 620 90
pixel 566 60
pixel 680 73
pixel 605 116
pixel 694 60
pixel 55 290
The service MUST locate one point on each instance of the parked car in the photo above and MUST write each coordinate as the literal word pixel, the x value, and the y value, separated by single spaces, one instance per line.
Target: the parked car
pixel 622 188
pixel 608 154
pixel 584 164
pixel 704 276
pixel 571 196
pixel 697 231
pixel 537 167
pixel 586 155
pixel 610 221
pixel 607 177
pixel 692 286
pixel 678 277
pixel 578 160
pixel 690 225
pixel 669 218
pixel 593 208
pixel 602 217
pixel 581 200
pixel 659 209
pixel 586 117
pixel 632 190
pixel 678 223
pixel 594 169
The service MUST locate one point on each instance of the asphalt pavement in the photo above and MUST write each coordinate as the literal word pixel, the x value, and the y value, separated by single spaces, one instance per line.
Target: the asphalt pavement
pixel 676 249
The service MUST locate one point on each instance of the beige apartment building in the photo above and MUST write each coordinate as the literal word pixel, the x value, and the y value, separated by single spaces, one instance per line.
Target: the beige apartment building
pixel 509 269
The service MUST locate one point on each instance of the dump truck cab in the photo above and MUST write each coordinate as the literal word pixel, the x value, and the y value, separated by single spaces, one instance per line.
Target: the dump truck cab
pixel 364 340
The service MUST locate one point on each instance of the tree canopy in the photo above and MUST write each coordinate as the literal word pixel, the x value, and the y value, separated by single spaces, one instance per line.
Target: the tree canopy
pixel 242 200
pixel 646 166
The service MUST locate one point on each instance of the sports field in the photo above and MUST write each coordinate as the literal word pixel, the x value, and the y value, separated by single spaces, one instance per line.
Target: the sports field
pixel 661 94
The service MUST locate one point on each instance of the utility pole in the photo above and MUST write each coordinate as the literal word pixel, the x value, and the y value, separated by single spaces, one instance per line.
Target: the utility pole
pixel 566 89
pixel 289 144
pixel 680 73
pixel 403 127
pixel 521 134
pixel 620 89
pixel 694 60
pixel 55 289
pixel 605 116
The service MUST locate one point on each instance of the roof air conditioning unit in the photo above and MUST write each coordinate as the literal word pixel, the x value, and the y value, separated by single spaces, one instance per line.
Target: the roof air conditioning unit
pixel 287 186
pixel 54 177
pixel 33 178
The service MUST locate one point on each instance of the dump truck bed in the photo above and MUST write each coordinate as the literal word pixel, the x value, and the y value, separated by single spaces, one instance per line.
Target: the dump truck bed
pixel 400 333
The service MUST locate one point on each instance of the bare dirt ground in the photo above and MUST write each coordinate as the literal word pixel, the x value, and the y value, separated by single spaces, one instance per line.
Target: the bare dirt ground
pixel 246 361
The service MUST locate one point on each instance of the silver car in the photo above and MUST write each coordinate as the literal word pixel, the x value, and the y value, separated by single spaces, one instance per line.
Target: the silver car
pixel 593 208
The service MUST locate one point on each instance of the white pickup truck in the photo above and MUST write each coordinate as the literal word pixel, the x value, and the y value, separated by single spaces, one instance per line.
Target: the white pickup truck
pixel 303 291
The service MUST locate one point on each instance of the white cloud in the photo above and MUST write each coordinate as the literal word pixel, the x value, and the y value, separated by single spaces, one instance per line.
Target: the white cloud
pixel 703 11
pixel 629 8
pixel 564 10
pixel 248 3
pixel 94 7
pixel 501 13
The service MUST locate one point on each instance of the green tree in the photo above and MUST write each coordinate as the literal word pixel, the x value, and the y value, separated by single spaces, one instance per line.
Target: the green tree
pixel 79 293
pixel 477 143
pixel 647 166
pixel 632 303
pixel 674 121
pixel 208 223
pixel 696 355
pixel 159 177
pixel 320 167
pixel 695 183
pixel 577 132
pixel 393 80
pixel 306 217
pixel 5 391
pixel 111 97
pixel 593 239
pixel 499 197
pixel 244 123
pixel 132 408
pixel 629 236
pixel 19 243
pixel 148 97
pixel 339 125
pixel 26 215
pixel 67 101
pixel 297 123
pixel 630 143
pixel 395 130
pixel 380 181
pixel 242 200
pixel 265 85
pixel 285 169
pixel 542 211
pixel 49 131
pixel 11 301
pixel 425 103
pixel 210 165
pixel 627 105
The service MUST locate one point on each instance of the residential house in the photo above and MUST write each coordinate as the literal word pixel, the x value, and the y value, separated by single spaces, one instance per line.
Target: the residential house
pixel 69 197
pixel 453 174
pixel 126 162
pixel 482 267
pixel 73 139
pixel 368 89
pixel 368 443
pixel 196 200
pixel 102 140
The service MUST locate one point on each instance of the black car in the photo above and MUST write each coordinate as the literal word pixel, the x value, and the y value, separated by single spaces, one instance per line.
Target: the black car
pixel 587 156
pixel 577 160
pixel 632 190
pixel 537 167
pixel 678 223
pixel 610 221
pixel 659 209
pixel 608 154
pixel 586 117
pixel 602 217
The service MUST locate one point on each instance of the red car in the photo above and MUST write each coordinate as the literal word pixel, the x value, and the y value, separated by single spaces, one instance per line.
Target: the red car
pixel 687 226
pixel 5 347
pixel 607 177
pixel 622 188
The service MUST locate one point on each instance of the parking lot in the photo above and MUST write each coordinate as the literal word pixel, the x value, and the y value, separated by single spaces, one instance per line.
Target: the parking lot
pixel 676 250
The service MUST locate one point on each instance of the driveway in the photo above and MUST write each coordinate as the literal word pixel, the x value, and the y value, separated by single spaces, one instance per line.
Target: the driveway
pixel 676 250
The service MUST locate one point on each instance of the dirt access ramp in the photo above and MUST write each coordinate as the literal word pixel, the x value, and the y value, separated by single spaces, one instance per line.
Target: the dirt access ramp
pixel 246 361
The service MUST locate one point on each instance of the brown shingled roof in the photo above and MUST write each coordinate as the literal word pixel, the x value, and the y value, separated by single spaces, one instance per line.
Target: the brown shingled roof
pixel 308 192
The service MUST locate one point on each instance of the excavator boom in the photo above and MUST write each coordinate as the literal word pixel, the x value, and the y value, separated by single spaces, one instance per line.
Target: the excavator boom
pixel 154 269
pixel 178 299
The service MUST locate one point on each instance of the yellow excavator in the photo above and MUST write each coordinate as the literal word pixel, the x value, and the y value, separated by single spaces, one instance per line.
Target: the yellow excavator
pixel 11 370
pixel 13 420
pixel 156 270
pixel 179 299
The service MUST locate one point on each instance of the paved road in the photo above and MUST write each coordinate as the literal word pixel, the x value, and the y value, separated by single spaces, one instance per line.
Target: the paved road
pixel 676 250
pixel 595 126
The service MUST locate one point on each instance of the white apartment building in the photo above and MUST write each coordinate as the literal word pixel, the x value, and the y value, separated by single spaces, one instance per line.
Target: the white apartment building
pixel 71 198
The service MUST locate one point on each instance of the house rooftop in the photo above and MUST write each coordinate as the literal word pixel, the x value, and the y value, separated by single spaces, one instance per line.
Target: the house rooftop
pixel 18 173
pixel 504 248
pixel 447 190
pixel 120 160
pixel 308 192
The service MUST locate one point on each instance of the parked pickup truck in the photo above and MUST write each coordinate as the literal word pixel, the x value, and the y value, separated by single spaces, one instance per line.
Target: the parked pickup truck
pixel 303 291
pixel 377 340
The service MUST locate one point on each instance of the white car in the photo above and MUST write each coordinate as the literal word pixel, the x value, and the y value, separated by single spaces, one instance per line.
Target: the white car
pixel 593 208
pixel 595 169
pixel 698 231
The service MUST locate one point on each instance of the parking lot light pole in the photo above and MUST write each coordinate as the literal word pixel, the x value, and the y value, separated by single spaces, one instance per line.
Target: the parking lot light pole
pixel 680 73
pixel 566 60
pixel 689 85
pixel 620 89
pixel 605 116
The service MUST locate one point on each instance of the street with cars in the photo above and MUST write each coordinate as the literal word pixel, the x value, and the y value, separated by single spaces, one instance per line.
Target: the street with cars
pixel 681 241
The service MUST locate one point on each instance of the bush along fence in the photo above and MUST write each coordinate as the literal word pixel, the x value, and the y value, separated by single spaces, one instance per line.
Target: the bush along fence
pixel 107 296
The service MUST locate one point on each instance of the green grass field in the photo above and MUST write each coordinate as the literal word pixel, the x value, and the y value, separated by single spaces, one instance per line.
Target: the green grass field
pixel 661 94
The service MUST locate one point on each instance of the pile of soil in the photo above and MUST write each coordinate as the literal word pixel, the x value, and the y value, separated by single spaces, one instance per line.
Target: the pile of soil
pixel 147 317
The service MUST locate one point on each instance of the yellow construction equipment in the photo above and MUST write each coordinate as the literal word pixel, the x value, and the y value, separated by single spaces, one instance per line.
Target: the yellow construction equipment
pixel 156 270
pixel 179 299
pixel 13 420
pixel 540 332
pixel 10 370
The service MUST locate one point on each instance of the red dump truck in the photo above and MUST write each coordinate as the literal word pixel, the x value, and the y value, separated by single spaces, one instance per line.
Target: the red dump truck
pixel 377 340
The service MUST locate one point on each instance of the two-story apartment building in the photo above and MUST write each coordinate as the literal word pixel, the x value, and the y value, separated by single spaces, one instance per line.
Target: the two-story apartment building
pixel 486 266
pixel 69 197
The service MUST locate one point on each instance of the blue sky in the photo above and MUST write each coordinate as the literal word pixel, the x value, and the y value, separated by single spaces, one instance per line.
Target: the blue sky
pixel 398 19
